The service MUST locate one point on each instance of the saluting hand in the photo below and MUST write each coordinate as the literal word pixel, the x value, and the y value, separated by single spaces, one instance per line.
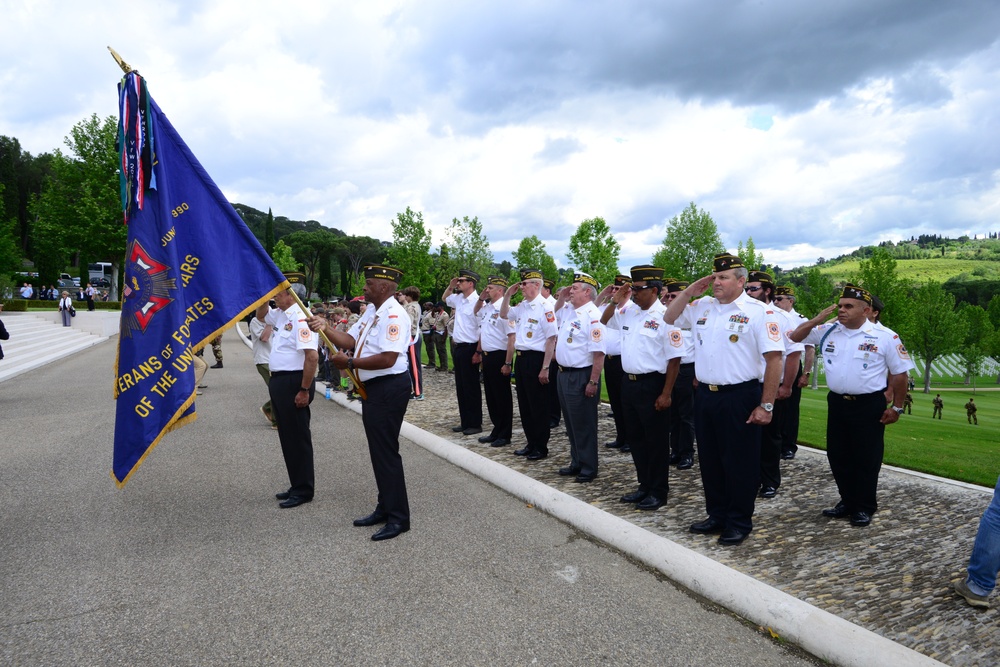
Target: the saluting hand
pixel 700 285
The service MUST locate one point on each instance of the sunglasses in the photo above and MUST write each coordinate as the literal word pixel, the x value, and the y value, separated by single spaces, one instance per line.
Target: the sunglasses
pixel 672 295
pixel 636 288
pixel 465 280
pixel 753 289
pixel 779 299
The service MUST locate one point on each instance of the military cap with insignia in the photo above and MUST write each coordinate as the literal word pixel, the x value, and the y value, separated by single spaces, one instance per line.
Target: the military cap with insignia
pixel 676 285
pixel 530 274
pixel 548 283
pixel 725 261
pixel 855 292
pixel 784 290
pixel 467 273
pixel 646 272
pixel 499 281
pixel 380 272
pixel 621 280
pixel 760 277
pixel 586 278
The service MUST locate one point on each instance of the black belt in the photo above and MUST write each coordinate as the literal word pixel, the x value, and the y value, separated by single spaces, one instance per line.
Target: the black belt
pixel 520 352
pixel 274 373
pixel 571 369
pixel 611 356
pixel 729 387
pixel 642 376
pixel 854 397
pixel 463 344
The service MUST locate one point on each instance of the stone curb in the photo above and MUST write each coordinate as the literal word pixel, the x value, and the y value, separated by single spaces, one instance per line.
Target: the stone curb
pixel 819 632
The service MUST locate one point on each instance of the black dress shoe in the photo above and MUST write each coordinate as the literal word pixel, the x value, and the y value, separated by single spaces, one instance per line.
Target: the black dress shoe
pixel 768 492
pixel 500 442
pixel 650 503
pixel 372 519
pixel 294 501
pixel 634 497
pixel 390 530
pixel 583 479
pixel 612 445
pixel 837 512
pixel 787 456
pixel 861 519
pixel 537 456
pixel 472 430
pixel 731 537
pixel 566 472
pixel 686 463
pixel 707 527
pixel 283 495
pixel 457 429
pixel 625 449
pixel 486 439
pixel 524 451
pixel 675 459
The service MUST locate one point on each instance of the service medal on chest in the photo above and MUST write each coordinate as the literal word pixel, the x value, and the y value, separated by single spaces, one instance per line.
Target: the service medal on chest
pixel 733 338
pixel 528 335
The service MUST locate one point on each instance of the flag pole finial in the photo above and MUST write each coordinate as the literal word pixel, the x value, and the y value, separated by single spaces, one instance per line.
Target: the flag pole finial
pixel 121 63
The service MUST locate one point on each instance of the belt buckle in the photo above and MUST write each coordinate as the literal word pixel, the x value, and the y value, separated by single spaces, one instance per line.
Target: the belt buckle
pixel 632 376
pixel 713 387
pixel 848 397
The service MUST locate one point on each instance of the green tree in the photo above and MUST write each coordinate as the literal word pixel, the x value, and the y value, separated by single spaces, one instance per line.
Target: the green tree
pixel 79 208
pixel 878 275
pixel 10 249
pixel 531 254
pixel 818 293
pixel 353 253
pixel 312 250
pixel 936 328
pixel 692 241
pixel 753 260
pixel 977 344
pixel 411 249
pixel 593 250
pixel 284 258
pixel 469 248
pixel 269 232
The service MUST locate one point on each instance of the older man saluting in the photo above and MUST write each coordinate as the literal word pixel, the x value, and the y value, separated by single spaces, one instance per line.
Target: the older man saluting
pixel 732 334
pixel 857 354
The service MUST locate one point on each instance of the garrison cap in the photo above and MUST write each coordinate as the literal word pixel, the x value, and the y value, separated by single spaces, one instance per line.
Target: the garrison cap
pixel 621 280
pixel 499 281
pixel 586 278
pixel 467 273
pixel 676 285
pixel 725 261
pixel 381 272
pixel 784 290
pixel 855 292
pixel 646 272
pixel 760 277
pixel 548 283
pixel 530 274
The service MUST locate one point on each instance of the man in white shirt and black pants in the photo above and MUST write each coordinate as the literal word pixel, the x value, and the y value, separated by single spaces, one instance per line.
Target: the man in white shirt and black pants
pixel 465 358
pixel 293 360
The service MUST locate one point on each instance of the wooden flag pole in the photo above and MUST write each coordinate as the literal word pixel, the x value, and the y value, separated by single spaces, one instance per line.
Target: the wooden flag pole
pixel 330 346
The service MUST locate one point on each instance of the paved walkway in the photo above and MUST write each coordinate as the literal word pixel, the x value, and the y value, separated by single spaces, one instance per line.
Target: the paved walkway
pixel 193 563
pixel 892 578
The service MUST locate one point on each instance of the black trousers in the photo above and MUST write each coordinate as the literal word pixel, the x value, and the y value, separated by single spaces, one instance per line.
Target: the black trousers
pixel 790 428
pixel 855 442
pixel 382 415
pixel 682 413
pixel 533 401
pixel 499 400
pixel 555 408
pixel 644 428
pixel 293 430
pixel 771 441
pixel 613 374
pixel 467 389
pixel 729 452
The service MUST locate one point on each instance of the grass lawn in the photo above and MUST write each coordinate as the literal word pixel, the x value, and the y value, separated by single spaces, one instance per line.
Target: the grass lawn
pixel 948 447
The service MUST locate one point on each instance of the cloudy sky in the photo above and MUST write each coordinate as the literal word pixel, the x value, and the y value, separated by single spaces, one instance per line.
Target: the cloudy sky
pixel 813 127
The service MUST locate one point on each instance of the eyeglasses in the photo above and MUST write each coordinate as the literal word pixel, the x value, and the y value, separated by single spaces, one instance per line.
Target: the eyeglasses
pixel 779 299
pixel 637 288
pixel 753 289
pixel 465 280
pixel 671 295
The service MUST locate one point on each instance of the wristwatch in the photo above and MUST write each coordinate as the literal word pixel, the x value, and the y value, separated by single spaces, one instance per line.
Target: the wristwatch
pixel 899 411
pixel 768 407
pixel 350 363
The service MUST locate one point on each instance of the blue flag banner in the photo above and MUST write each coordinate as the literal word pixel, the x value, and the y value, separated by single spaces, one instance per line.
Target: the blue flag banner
pixel 192 270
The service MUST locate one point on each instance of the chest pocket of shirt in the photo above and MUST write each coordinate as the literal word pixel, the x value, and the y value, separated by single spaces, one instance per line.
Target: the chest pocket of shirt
pixel 648 330
pixel 862 355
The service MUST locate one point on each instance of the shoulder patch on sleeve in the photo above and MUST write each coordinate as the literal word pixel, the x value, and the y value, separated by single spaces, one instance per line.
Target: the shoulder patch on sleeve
pixel 550 316
pixel 773 332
